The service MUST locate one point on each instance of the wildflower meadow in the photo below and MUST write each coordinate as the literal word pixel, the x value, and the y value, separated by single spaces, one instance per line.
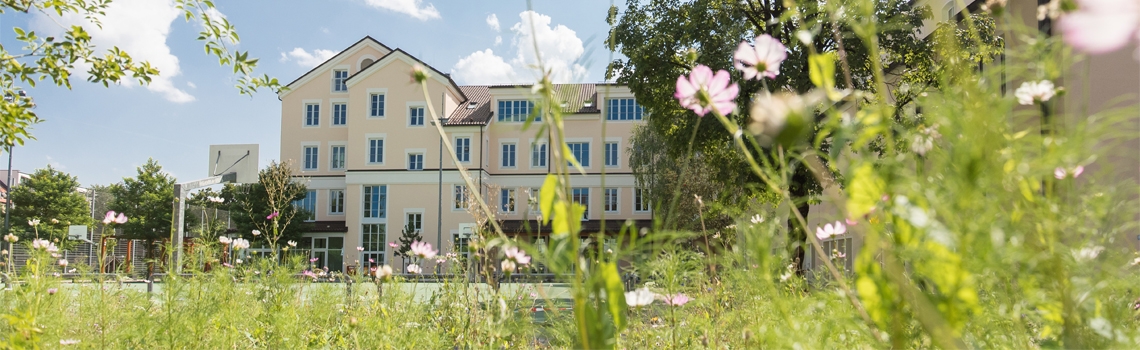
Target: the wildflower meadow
pixel 985 215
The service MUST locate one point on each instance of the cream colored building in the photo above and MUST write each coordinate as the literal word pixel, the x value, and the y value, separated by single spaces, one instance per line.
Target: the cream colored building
pixel 357 128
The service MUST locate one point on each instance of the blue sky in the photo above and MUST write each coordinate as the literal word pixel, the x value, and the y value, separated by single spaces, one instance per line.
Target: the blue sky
pixel 102 134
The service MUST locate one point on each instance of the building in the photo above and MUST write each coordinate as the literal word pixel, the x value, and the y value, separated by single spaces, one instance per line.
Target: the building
pixel 357 127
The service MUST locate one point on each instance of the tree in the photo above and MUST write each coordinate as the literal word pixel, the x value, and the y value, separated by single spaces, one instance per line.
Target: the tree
pixel 276 191
pixel 41 58
pixel 204 212
pixel 408 236
pixel 48 195
pixel 146 200
pixel 662 39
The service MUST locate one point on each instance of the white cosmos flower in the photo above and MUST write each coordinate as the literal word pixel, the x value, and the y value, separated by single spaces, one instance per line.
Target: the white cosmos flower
pixel 762 60
pixel 240 243
pixel 640 297
pixel 292 244
pixel 413 268
pixel 1032 92
pixel 830 230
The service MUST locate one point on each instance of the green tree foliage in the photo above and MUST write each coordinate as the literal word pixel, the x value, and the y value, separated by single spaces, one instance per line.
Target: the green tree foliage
pixel 663 39
pixel 407 237
pixel 275 191
pixel 54 58
pixel 147 201
pixel 48 194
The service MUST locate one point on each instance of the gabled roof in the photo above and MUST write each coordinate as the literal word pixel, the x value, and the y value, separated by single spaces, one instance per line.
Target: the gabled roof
pixel 574 95
pixel 366 38
pixel 380 62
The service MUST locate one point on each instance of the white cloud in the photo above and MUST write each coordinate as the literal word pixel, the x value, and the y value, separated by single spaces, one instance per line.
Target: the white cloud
pixel 412 8
pixel 139 27
pixel 54 164
pixel 493 22
pixel 191 85
pixel 484 67
pixel 307 59
pixel 559 45
pixel 498 40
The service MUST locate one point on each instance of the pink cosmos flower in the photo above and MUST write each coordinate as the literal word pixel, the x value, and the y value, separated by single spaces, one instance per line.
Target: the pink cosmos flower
pixel 52 291
pixel 121 219
pixel 762 60
pixel 360 249
pixel 393 245
pixel 309 274
pixel 702 91
pixel 1101 26
pixel 313 260
pixel 830 230
pixel 109 218
pixel 423 250
pixel 1061 173
pixel 677 299
pixel 519 256
pixel 271 216
pixel 851 222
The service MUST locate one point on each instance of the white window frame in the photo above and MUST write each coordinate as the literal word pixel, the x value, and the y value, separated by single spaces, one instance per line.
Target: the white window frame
pixel 408 212
pixel 456 204
pixel 408 113
pixel 408 152
pixel 513 200
pixel 585 214
pixel 533 149
pixel 333 102
pixel 589 141
pixel 343 200
pixel 514 154
pixel 609 103
pixel 617 200
pixel 383 218
pixel 644 200
pixel 305 156
pixel 340 68
pixel 316 204
pixel 368 103
pixel 305 112
pixel 455 143
pixel 332 155
pixel 535 193
pixel 368 148
pixel 617 152
pixel 382 244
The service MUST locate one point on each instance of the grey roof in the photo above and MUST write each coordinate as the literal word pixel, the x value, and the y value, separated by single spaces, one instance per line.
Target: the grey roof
pixel 480 115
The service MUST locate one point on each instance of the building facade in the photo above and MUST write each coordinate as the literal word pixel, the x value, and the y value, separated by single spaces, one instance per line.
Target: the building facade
pixel 358 129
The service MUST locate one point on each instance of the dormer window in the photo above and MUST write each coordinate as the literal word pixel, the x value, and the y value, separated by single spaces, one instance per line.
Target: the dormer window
pixel 588 104
pixel 565 104
pixel 472 105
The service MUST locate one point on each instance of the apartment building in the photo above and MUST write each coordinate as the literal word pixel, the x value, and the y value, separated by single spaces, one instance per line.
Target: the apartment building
pixel 358 129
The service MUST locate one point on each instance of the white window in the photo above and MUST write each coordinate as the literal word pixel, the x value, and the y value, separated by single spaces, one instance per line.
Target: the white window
pixel 611 154
pixel 623 109
pixel 337 158
pixel 312 114
pixel 375 201
pixel 336 202
pixel 508 155
pixel 532 200
pixel 339 76
pixel 463 148
pixel 611 205
pixel 415 161
pixel 515 110
pixel 340 113
pixel 460 196
pixel 507 200
pixel 310 154
pixel 538 155
pixel 581 195
pixel 308 205
pixel 640 200
pixel 581 152
pixel 372 238
pixel 376 151
pixel 416 116
pixel 376 105
pixel 415 221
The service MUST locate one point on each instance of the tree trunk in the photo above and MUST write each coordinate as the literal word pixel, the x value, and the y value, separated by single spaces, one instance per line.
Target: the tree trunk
pixel 801 182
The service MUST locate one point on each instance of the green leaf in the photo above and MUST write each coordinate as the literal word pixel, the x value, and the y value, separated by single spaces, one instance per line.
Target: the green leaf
pixel 865 190
pixel 615 294
pixel 822 70
pixel 546 197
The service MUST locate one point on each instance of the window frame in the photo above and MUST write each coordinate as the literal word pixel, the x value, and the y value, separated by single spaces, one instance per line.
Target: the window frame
pixel 616 154
pixel 342 81
pixel 408 160
pixel 312 116
pixel 305 147
pixel 333 157
pixel 636 111
pixel 381 205
pixel 381 237
pixel 520 110
pixel 606 200
pixel 503 156
pixel 464 157
pixel 368 147
pixel 640 197
pixel 423 114
pixel 369 103
pixel 574 196
pixel 534 146
pixel 460 197
pixel 333 201
pixel 587 143
pixel 508 196
pixel 343 118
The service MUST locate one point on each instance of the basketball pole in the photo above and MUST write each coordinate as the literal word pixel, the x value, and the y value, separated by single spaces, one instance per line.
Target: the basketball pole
pixel 181 190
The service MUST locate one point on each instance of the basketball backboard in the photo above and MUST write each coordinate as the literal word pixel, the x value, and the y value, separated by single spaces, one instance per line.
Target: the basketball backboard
pixel 240 159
